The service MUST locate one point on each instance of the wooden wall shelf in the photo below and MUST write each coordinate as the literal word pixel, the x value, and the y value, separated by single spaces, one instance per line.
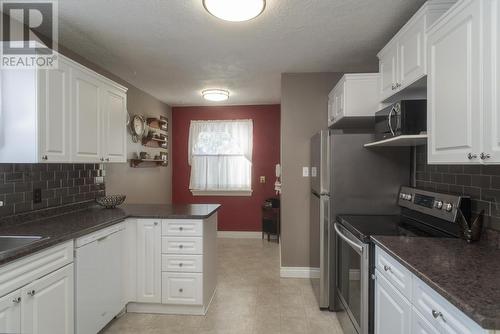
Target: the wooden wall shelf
pixel 136 162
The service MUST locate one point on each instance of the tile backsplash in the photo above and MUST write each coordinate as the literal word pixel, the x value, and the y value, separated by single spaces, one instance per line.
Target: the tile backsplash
pixel 60 184
pixel 481 183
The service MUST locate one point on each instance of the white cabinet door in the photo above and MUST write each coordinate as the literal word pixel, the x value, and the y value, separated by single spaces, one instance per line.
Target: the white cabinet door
pixel 54 113
pixel 420 326
pixel 47 304
pixel 454 104
pixel 86 117
pixel 331 109
pixel 411 54
pixel 492 83
pixel 10 313
pixel 114 112
pixel 148 261
pixel 388 72
pixel 392 310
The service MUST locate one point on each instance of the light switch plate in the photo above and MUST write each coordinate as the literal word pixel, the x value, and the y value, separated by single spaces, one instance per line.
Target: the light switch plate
pixel 314 171
pixel 262 179
pixel 1 203
pixel 305 171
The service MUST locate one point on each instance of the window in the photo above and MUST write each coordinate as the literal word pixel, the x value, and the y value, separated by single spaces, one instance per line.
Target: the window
pixel 220 155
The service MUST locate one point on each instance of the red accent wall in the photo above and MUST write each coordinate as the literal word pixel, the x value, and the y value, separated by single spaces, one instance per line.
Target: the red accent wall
pixel 236 213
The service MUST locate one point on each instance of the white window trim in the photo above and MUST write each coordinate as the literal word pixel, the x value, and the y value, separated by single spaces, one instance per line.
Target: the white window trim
pixel 235 193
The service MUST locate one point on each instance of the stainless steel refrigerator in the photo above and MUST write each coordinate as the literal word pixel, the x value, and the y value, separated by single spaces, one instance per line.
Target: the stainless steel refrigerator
pixel 347 178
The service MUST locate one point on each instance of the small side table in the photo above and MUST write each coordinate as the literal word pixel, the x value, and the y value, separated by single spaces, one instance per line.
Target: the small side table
pixel 271 222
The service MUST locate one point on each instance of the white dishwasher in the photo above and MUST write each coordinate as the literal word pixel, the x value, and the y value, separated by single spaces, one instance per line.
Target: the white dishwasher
pixel 98 279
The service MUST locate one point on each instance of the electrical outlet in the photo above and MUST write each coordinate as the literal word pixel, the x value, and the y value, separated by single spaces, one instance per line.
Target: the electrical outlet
pixel 262 179
pixel 305 171
pixel 1 203
pixel 37 195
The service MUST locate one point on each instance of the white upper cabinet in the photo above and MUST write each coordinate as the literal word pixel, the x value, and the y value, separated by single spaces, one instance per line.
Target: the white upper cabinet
pixel 87 119
pixel 403 62
pixel 67 114
pixel 10 313
pixel 353 98
pixel 54 113
pixel 114 116
pixel 463 85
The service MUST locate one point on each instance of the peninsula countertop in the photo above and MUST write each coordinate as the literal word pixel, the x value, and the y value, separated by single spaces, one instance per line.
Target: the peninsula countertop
pixel 467 275
pixel 71 225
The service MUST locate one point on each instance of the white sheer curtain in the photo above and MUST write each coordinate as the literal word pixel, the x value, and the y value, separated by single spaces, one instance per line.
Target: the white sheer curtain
pixel 220 155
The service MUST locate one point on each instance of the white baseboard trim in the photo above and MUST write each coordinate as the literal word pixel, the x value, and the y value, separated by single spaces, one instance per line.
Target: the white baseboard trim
pixel 299 272
pixel 239 234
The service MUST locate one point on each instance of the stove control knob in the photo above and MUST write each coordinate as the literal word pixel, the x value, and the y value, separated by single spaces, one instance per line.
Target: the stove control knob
pixel 402 196
pixel 408 197
pixel 448 207
pixel 438 205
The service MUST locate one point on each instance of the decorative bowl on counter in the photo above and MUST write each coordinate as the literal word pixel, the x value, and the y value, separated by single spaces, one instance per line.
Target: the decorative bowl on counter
pixel 111 201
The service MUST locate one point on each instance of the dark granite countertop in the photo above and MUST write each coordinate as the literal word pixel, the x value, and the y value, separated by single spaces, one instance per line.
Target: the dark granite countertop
pixel 74 224
pixel 467 275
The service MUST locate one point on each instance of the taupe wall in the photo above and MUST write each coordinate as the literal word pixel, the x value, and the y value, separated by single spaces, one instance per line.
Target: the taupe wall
pixel 141 185
pixel 304 107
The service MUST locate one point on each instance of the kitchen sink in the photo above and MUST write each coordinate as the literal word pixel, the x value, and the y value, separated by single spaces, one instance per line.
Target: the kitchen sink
pixel 9 242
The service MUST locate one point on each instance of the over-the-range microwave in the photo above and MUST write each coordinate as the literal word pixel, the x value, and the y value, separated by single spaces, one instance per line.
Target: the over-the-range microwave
pixel 405 117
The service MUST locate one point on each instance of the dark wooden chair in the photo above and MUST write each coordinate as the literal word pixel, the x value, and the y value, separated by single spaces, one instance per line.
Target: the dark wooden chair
pixel 271 219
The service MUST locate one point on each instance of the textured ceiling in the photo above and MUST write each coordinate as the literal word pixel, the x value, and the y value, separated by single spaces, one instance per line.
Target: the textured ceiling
pixel 173 49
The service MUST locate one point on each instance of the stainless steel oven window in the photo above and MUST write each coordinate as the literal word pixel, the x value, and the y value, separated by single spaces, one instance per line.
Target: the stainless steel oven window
pixel 352 280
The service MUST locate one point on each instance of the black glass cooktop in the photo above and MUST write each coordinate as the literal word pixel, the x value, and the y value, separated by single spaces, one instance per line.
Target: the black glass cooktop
pixel 363 226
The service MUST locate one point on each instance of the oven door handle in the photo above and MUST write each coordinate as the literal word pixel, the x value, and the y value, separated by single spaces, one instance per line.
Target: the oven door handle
pixel 346 239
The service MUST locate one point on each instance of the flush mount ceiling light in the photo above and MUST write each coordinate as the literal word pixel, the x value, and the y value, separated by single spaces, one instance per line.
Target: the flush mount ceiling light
pixel 235 10
pixel 215 95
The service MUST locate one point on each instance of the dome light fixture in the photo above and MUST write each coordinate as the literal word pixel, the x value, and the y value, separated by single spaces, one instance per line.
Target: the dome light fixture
pixel 215 95
pixel 235 10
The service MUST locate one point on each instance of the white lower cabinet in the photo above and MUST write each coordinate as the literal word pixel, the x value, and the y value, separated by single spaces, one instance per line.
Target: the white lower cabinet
pixel 421 326
pixel 148 260
pixel 10 313
pixel 47 304
pixel 42 301
pixel 423 311
pixel 392 309
pixel 170 266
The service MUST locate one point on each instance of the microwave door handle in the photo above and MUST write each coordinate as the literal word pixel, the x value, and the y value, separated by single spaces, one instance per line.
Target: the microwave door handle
pixel 389 121
pixel 350 242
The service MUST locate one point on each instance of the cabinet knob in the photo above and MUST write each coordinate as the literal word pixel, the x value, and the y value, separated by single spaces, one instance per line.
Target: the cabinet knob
pixel 102 159
pixel 107 159
pixel 393 87
pixel 437 314
pixel 181 228
pixel 31 293
pixel 387 268
pixel 181 246
pixel 398 85
pixel 45 157
pixel 485 156
pixel 471 156
pixel 180 264
pixel 17 300
pixel 156 224
pixel 181 290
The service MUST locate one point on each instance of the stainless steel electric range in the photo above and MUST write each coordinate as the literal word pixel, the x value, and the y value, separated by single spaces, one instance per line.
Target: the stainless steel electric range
pixel 423 214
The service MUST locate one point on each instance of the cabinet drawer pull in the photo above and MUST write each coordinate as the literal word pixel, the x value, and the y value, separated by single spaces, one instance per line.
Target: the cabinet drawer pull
pixel 31 293
pixel 485 156
pixel 45 157
pixel 387 268
pixel 107 159
pixel 471 156
pixel 437 314
pixel 17 300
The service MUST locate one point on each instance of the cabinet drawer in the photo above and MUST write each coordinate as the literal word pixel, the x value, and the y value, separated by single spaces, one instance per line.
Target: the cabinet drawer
pixel 394 271
pixel 182 263
pixel 181 245
pixel 18 273
pixel 182 288
pixel 440 313
pixel 182 228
